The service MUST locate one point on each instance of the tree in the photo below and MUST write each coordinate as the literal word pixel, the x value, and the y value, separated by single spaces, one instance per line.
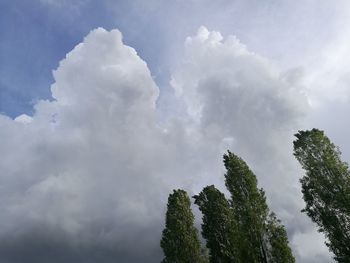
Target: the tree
pixel 326 189
pixel 219 227
pixel 180 241
pixel 279 250
pixel 249 206
pixel 258 236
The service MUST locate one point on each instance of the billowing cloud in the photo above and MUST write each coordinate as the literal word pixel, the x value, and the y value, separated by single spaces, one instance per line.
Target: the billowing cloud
pixel 81 171
pixel 236 96
pixel 86 178
pixel 240 98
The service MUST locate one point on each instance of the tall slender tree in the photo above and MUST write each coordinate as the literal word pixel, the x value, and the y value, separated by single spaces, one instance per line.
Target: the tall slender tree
pixel 219 227
pixel 252 215
pixel 279 250
pixel 326 189
pixel 249 206
pixel 180 241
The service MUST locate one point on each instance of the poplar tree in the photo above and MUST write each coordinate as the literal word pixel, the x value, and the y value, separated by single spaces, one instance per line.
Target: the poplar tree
pixel 326 189
pixel 259 236
pixel 279 250
pixel 249 206
pixel 180 241
pixel 219 227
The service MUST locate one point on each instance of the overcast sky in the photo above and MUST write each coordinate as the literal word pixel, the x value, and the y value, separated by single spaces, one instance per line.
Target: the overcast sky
pixel 106 106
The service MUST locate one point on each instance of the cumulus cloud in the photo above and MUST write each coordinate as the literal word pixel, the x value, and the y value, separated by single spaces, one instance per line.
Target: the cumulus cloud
pixel 82 168
pixel 236 96
pixel 86 178
pixel 240 99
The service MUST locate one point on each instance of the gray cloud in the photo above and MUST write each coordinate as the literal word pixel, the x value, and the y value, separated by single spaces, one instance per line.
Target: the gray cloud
pixel 87 177
pixel 83 166
pixel 240 98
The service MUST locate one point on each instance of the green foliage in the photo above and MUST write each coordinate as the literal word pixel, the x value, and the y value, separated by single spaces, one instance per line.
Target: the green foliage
pixel 249 206
pixel 262 238
pixel 180 241
pixel 219 227
pixel 326 189
pixel 277 238
pixel 237 231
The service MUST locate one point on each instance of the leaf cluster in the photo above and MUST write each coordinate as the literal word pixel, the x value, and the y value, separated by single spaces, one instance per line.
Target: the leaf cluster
pixel 326 189
pixel 180 241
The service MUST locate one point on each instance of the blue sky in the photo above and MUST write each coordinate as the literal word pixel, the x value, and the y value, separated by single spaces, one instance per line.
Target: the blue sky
pixel 87 162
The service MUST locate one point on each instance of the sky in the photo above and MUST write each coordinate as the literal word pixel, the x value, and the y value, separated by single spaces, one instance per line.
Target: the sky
pixel 106 106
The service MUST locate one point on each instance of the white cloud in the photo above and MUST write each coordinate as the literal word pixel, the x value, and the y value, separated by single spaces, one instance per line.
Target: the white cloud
pixel 237 97
pixel 24 118
pixel 94 166
pixel 84 164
